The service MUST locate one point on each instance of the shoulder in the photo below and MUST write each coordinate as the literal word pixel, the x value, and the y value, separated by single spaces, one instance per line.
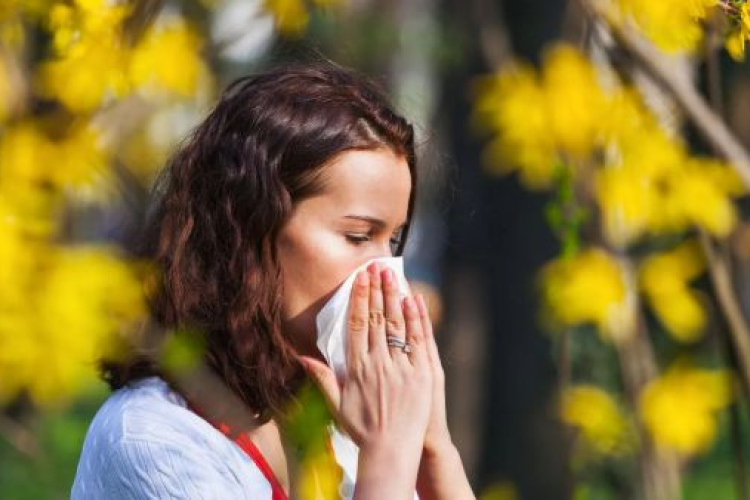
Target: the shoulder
pixel 147 410
pixel 145 441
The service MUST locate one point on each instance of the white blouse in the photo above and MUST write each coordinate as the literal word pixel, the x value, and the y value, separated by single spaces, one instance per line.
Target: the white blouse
pixel 144 443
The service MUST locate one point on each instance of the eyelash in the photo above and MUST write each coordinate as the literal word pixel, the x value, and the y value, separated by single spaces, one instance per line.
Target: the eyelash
pixel 357 240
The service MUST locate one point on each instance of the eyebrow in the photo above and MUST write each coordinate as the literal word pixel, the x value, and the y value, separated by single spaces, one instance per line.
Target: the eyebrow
pixel 372 220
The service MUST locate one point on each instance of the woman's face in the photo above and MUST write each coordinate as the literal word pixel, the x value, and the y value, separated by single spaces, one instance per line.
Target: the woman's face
pixel 354 219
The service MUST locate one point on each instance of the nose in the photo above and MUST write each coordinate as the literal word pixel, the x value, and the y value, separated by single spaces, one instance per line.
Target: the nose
pixel 377 252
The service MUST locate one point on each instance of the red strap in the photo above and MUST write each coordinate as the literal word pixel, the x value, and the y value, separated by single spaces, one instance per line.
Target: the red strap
pixel 253 452
pixel 247 445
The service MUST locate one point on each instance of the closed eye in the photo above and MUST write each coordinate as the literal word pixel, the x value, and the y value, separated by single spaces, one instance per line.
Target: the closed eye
pixel 358 239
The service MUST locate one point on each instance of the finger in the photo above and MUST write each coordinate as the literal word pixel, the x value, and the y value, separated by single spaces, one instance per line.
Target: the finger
pixel 376 312
pixel 357 321
pixel 414 333
pixel 394 317
pixel 325 379
pixel 429 337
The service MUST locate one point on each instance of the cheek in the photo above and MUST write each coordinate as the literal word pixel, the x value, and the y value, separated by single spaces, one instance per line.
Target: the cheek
pixel 313 265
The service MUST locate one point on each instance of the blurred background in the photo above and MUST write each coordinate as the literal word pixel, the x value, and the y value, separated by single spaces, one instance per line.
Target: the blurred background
pixel 581 228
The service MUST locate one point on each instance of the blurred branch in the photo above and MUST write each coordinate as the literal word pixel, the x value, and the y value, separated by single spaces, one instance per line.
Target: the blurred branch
pixel 22 439
pixel 722 283
pixel 659 471
pixel 143 14
pixel 711 126
pixel 494 44
pixel 713 74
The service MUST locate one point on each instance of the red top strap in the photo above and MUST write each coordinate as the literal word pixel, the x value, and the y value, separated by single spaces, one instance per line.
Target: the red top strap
pixel 247 445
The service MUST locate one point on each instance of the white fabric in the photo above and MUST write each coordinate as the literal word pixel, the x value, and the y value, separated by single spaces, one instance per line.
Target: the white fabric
pixel 144 443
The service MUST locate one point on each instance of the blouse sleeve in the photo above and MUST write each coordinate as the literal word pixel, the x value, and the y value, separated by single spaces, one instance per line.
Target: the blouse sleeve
pixel 144 469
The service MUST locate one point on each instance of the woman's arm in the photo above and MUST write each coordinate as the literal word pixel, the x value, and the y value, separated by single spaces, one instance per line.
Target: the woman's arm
pixel 441 472
pixel 442 475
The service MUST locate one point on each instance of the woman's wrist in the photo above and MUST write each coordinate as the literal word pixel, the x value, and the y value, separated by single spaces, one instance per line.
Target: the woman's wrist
pixel 441 473
pixel 440 446
pixel 386 468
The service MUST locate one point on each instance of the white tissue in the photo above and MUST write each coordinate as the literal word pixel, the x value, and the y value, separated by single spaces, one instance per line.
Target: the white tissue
pixel 331 324
pixel 331 320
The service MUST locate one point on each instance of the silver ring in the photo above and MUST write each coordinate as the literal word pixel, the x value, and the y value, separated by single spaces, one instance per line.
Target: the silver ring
pixel 394 341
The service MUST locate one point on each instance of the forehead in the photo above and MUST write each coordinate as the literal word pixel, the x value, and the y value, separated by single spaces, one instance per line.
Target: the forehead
pixel 372 182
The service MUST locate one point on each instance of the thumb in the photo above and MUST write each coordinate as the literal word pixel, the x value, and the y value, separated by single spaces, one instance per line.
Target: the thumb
pixel 325 379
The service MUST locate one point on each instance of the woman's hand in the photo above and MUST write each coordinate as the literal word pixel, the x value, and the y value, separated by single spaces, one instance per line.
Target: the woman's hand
pixel 437 436
pixel 385 401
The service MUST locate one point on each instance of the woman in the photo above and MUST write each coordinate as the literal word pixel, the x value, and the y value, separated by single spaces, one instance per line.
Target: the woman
pixel 296 178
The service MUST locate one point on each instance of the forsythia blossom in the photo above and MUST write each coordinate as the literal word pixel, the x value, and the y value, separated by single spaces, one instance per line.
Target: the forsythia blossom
pixel 532 115
pixel 93 65
pixel 590 287
pixel 679 408
pixel 664 279
pixel 597 415
pixel 671 24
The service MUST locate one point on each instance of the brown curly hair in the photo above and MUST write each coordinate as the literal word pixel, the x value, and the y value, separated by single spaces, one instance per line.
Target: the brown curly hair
pixel 221 201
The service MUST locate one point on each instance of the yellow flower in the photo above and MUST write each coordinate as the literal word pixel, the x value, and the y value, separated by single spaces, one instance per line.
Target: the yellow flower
pixel 25 160
pixel 713 183
pixel 90 63
pixel 33 163
pixel 320 476
pixel 591 287
pixel 628 202
pixel 88 300
pixel 168 58
pixel 673 25
pixel 576 105
pixel 735 42
pixel 679 408
pixel 664 279
pixel 598 417
pixel 511 104
pixel 649 183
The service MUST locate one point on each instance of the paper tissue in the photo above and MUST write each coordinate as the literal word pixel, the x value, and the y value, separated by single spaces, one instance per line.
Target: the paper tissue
pixel 331 323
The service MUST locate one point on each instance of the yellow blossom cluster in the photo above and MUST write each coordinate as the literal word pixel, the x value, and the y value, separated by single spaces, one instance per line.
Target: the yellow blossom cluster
pixel 531 115
pixel 36 166
pixel 61 305
pixel 598 417
pixel 645 181
pixel 76 309
pixel 679 25
pixel 62 309
pixel 652 186
pixel 664 279
pixel 673 25
pixel 735 43
pixel 590 287
pixel 680 408
pixel 93 64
